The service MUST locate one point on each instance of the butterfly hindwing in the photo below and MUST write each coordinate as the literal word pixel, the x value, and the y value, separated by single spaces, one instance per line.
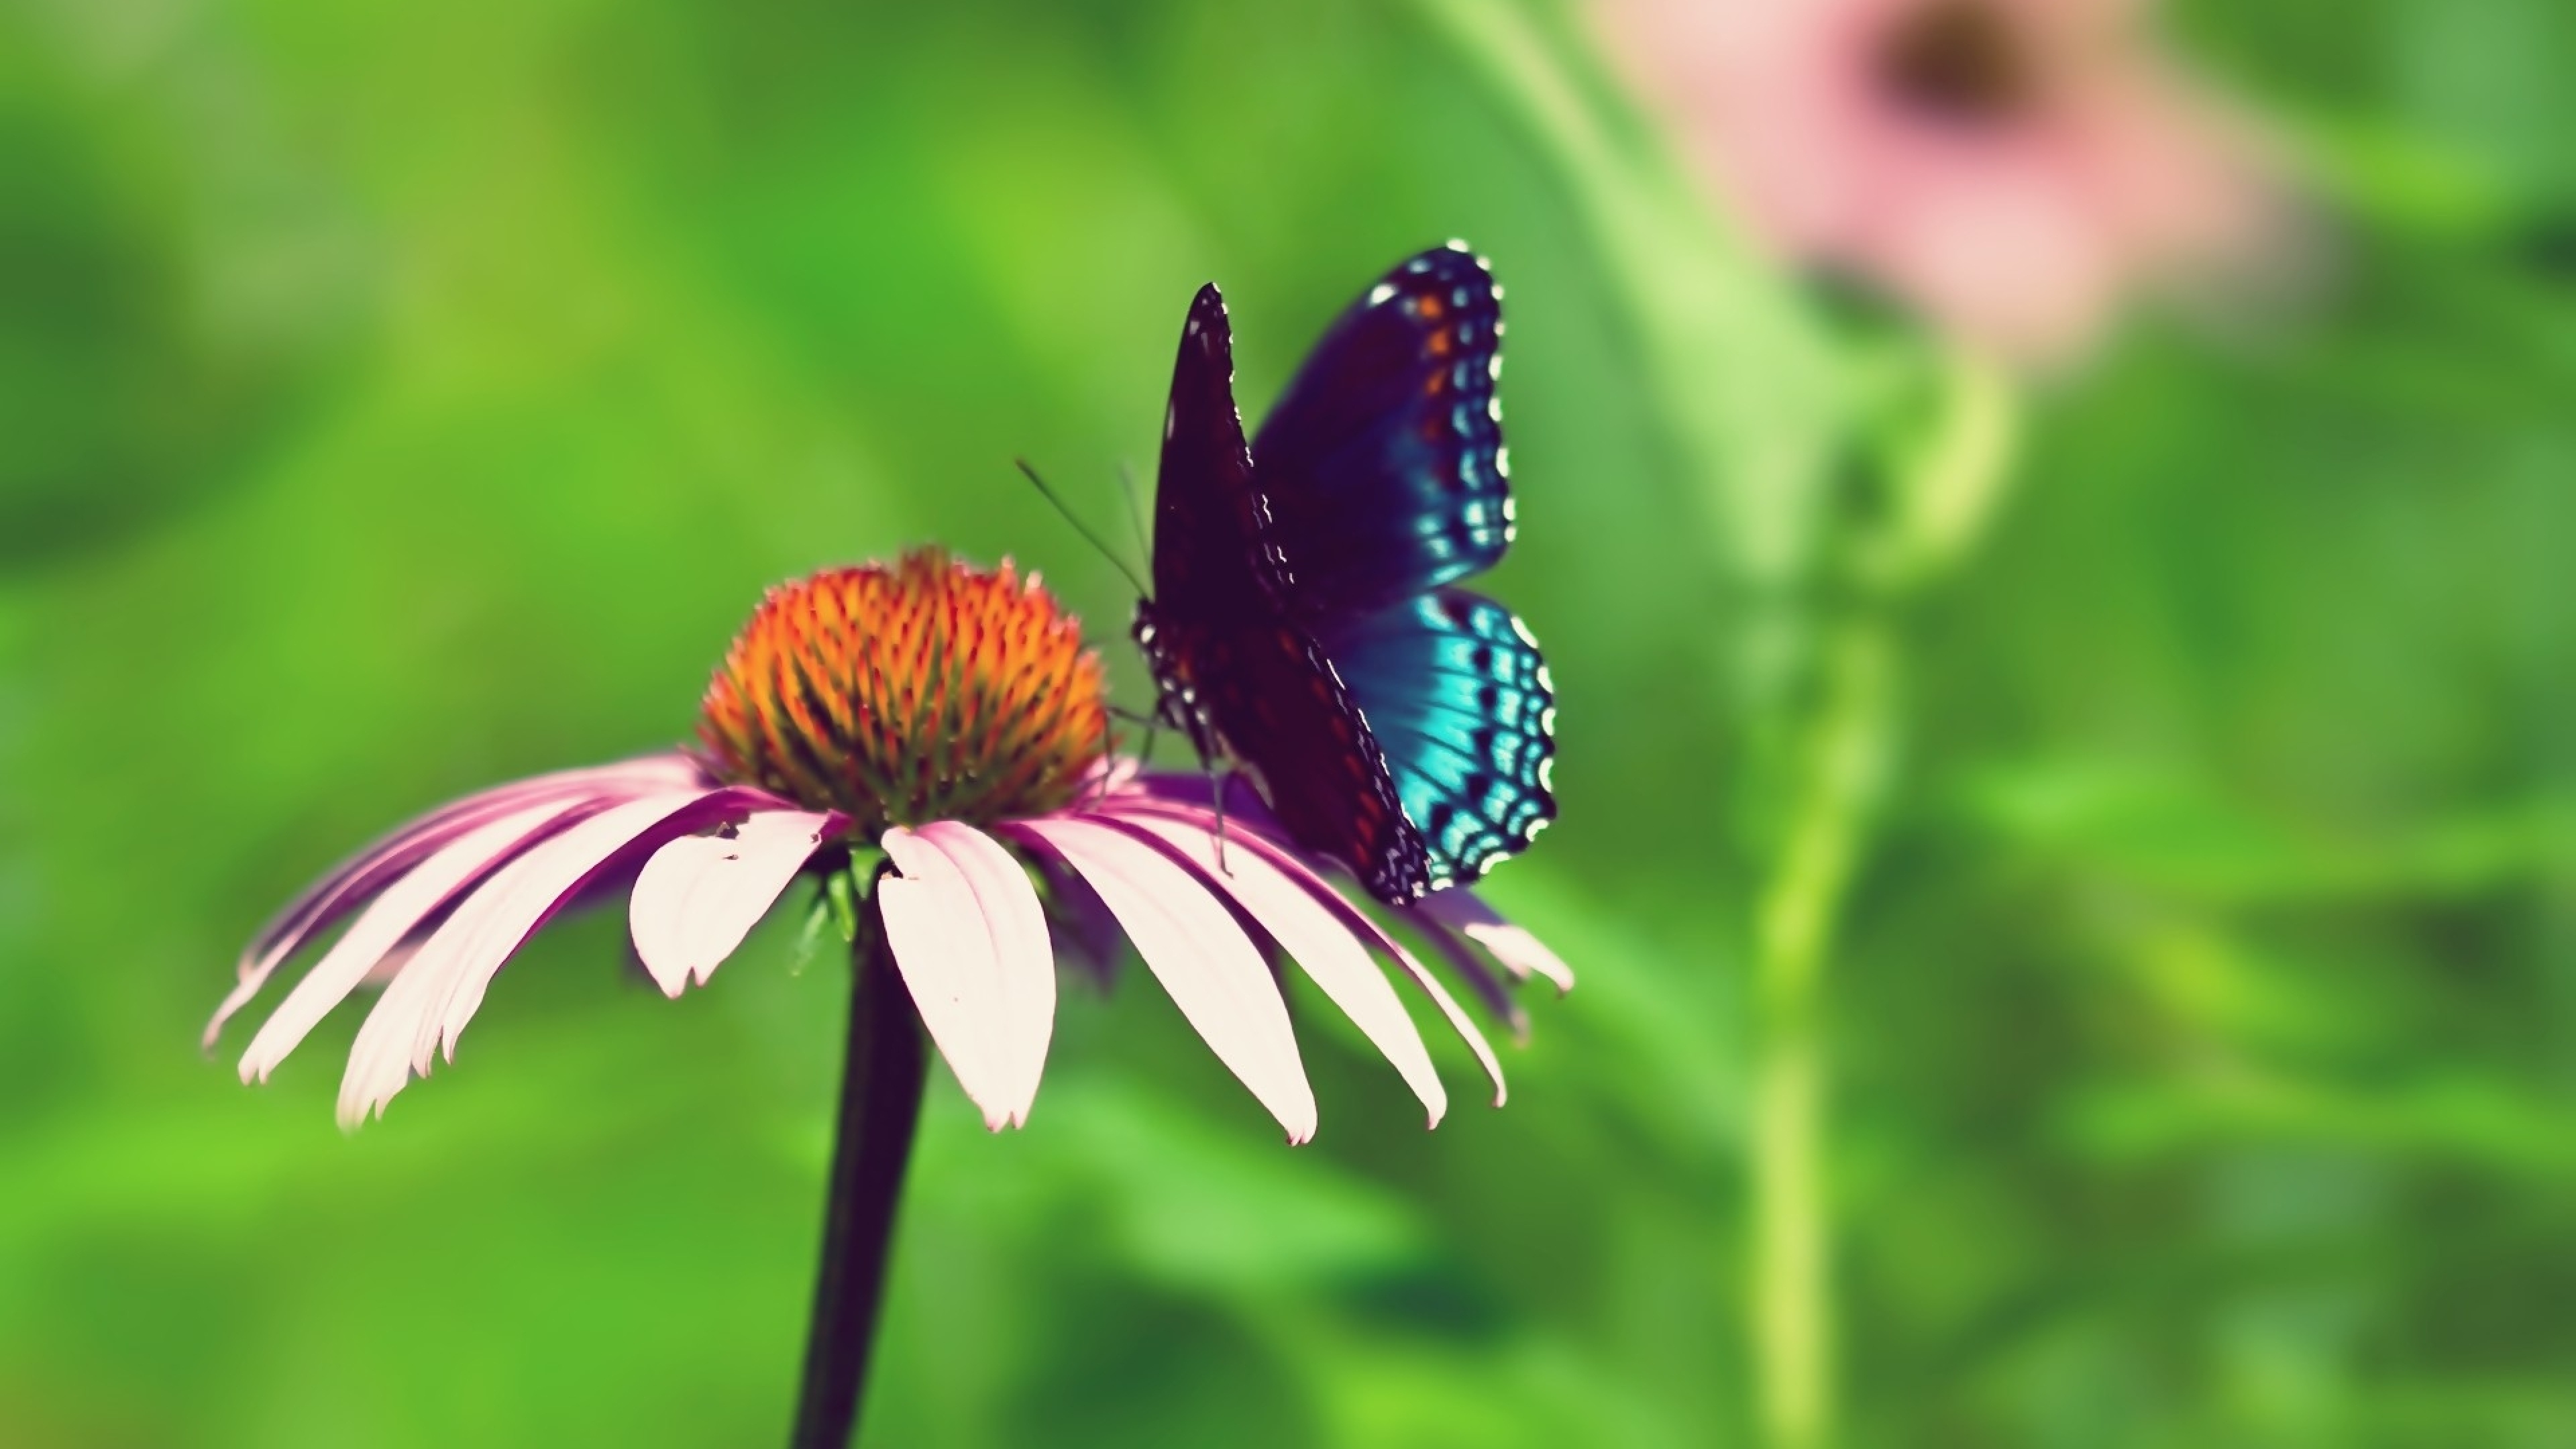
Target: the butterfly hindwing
pixel 1383 463
pixel 1460 703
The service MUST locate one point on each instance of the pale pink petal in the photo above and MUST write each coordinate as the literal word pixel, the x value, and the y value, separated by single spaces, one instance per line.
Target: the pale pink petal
pixel 1205 962
pixel 1108 776
pixel 1138 806
pixel 1482 979
pixel 561 869
pixel 1021 948
pixel 950 946
pixel 701 894
pixel 429 1004
pixel 1086 934
pixel 1330 954
pixel 1521 953
pixel 1459 1021
pixel 344 889
pixel 390 965
pixel 381 929
pixel 625 779
pixel 347 885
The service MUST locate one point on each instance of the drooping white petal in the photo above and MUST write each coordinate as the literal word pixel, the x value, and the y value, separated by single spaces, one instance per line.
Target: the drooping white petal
pixel 700 895
pixel 1522 954
pixel 382 927
pixel 1205 962
pixel 1139 806
pixel 961 939
pixel 1483 980
pixel 1021 948
pixel 371 869
pixel 429 1004
pixel 1331 955
pixel 1459 1021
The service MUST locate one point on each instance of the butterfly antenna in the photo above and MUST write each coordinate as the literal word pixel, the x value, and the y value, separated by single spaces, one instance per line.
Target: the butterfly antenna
pixel 1080 527
pixel 1135 515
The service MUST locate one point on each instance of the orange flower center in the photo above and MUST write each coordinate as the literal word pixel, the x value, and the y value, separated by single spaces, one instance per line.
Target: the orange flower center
pixel 898 696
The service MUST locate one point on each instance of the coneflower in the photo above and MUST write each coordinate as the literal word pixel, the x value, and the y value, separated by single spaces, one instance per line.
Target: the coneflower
pixel 917 738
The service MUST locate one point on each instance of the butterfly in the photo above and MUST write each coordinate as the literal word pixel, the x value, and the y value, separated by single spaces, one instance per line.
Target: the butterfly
pixel 1304 620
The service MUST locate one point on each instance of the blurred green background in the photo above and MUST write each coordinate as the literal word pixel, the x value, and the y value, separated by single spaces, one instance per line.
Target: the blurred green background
pixel 395 400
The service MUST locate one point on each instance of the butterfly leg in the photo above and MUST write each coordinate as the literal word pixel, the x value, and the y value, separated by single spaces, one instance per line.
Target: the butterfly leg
pixel 1106 741
pixel 1153 725
pixel 1218 776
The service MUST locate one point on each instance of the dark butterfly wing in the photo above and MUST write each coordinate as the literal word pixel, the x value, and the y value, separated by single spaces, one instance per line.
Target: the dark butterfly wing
pixel 1460 704
pixel 1212 563
pixel 1383 464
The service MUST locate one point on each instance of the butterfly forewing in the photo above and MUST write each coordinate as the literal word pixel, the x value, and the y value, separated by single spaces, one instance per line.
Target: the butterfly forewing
pixel 1212 563
pixel 1383 463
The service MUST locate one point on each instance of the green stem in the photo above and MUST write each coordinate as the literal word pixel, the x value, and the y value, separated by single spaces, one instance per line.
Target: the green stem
pixel 1839 756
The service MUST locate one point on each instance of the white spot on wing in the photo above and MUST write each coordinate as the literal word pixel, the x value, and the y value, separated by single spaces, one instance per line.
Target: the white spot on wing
pixel 1379 293
pixel 1455 245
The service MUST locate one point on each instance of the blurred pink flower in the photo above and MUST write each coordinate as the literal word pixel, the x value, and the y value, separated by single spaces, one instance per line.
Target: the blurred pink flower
pixel 2014 169
pixel 436 908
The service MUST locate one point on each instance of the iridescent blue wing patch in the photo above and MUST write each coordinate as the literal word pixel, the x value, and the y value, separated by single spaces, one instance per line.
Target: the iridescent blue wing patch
pixel 1461 705
pixel 1383 462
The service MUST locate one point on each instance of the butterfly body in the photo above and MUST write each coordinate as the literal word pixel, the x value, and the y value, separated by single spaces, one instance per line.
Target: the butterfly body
pixel 1305 620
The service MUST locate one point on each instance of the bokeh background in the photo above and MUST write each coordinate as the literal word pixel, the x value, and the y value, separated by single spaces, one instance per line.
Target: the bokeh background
pixel 394 400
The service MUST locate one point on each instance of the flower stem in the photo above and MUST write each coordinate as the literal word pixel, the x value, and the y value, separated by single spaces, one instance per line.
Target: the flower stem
pixel 1840 763
pixel 881 1079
